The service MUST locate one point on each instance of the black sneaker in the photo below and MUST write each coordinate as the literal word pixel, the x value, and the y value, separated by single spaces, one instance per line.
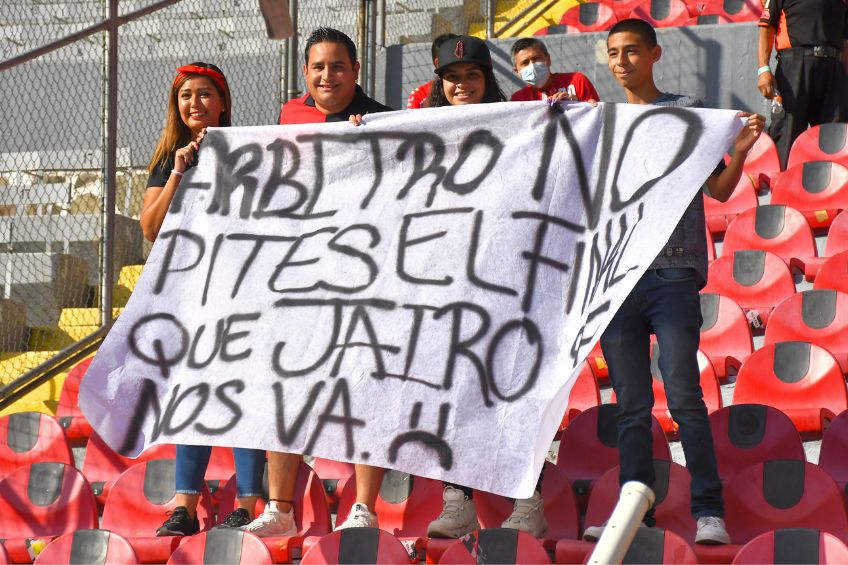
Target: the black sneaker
pixel 237 519
pixel 179 523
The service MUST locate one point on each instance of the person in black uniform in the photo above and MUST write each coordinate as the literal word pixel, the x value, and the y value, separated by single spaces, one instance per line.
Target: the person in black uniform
pixel 809 36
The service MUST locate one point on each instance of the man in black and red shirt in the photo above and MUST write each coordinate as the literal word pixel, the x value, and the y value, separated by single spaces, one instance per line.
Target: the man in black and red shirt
pixel 809 36
pixel 330 70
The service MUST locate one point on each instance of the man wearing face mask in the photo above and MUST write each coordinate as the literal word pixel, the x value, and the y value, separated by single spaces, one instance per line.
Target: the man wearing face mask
pixel 532 63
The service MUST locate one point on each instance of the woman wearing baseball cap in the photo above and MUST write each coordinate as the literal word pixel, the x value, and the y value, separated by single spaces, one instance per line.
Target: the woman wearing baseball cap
pixel 465 76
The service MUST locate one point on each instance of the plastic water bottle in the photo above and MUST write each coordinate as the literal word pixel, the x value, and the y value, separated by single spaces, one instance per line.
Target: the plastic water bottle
pixel 776 104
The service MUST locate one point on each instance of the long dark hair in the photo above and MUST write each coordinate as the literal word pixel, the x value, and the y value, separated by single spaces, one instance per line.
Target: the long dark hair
pixel 493 91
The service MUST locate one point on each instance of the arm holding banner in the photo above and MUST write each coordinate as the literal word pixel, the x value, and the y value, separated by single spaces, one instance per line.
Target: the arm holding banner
pixel 721 185
pixel 157 200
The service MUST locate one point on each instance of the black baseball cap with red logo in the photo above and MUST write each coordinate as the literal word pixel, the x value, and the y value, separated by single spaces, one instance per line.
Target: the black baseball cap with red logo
pixel 463 49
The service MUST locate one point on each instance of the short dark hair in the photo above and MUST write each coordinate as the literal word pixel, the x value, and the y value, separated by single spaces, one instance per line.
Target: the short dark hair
pixel 643 29
pixel 434 48
pixel 527 43
pixel 323 34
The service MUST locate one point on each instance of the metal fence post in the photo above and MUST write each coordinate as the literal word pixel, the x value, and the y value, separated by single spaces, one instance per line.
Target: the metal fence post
pixel 292 91
pixel 362 41
pixel 490 18
pixel 110 142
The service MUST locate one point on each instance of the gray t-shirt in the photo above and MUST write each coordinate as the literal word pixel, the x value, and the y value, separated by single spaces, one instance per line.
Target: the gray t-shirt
pixel 687 246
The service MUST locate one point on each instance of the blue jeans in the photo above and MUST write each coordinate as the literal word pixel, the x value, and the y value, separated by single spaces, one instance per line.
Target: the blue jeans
pixel 192 461
pixel 664 302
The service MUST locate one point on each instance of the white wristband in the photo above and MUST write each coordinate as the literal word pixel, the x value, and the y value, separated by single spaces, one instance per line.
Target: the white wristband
pixel 176 172
pixel 763 69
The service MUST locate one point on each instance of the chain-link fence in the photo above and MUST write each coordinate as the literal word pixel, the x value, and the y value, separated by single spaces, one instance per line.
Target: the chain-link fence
pixel 53 151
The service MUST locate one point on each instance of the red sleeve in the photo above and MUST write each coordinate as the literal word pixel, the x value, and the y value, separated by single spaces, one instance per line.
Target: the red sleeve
pixel 415 99
pixel 584 87
pixel 523 95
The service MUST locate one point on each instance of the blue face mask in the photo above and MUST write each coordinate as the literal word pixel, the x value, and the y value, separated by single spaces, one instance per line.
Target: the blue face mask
pixel 535 74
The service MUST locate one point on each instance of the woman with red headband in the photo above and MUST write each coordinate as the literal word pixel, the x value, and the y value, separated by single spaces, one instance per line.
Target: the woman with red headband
pixel 199 98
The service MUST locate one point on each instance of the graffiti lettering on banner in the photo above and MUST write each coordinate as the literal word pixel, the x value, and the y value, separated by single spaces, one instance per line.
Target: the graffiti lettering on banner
pixel 416 293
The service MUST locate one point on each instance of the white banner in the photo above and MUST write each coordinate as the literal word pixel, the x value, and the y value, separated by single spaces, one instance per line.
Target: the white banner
pixel 413 293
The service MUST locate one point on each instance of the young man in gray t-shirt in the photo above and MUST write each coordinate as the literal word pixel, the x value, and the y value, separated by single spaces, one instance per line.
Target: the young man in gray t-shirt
pixel 665 302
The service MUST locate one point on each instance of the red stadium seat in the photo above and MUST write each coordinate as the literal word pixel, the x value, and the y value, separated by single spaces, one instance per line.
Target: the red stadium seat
pixel 663 13
pixel 825 142
pixel 757 280
pixel 68 412
pixel 406 504
pixel 720 214
pixel 591 16
pixel 779 229
pixel 496 545
pixel 762 165
pixel 654 545
pixel 597 363
pixel 833 273
pixel 782 494
pixel 746 434
pixel 222 546
pixel 836 242
pixel 818 189
pixel 834 451
pixel 709 386
pixel 595 431
pixel 88 546
pixel 734 10
pixel 800 379
pixel 357 545
pixel 30 437
pixel 584 395
pixel 311 514
pixel 560 507
pixel 334 476
pixel 140 501
pixel 671 488
pixel 102 466
pixel 793 545
pixel 4 556
pixel 817 316
pixel 725 334
pixel 43 500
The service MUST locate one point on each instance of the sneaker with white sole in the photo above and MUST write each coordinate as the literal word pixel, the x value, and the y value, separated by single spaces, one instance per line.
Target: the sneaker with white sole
pixel 528 515
pixel 359 517
pixel 593 533
pixel 458 517
pixel 273 522
pixel 711 531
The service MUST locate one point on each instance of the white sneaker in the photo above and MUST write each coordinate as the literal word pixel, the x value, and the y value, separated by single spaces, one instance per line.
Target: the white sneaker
pixel 593 533
pixel 528 515
pixel 359 517
pixel 458 517
pixel 711 531
pixel 273 522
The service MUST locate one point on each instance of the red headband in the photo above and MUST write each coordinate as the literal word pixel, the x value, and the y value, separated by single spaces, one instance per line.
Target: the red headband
pixel 216 77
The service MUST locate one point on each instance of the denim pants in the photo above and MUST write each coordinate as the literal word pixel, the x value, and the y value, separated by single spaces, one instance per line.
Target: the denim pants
pixel 664 302
pixel 192 461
